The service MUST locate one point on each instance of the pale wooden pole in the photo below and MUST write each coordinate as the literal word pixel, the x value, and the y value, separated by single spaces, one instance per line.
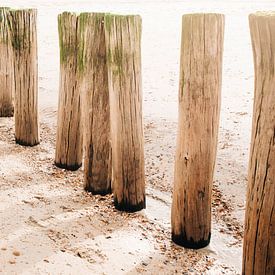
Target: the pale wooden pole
pixel 68 154
pixel 199 110
pixel 24 42
pixel 259 236
pixel 93 75
pixel 6 67
pixel 123 43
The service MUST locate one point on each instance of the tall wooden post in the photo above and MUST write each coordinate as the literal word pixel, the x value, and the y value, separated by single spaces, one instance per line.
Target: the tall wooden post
pixel 93 75
pixel 123 37
pixel 68 152
pixel 199 109
pixel 24 42
pixel 259 237
pixel 6 67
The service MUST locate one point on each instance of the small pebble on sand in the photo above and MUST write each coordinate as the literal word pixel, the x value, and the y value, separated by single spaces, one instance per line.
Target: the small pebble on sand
pixel 12 261
pixel 16 253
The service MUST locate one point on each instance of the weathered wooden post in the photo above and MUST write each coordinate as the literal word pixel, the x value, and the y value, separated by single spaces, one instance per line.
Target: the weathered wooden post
pixel 24 42
pixel 259 237
pixel 68 154
pixel 93 76
pixel 199 109
pixel 6 67
pixel 123 39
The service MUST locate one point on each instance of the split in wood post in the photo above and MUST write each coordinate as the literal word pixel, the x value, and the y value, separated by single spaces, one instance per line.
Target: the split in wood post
pixel 6 67
pixel 24 42
pixel 68 154
pixel 93 76
pixel 199 110
pixel 123 44
pixel 259 234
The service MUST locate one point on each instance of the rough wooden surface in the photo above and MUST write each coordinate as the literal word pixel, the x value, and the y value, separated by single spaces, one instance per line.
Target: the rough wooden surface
pixel 123 37
pixel 24 42
pixel 96 108
pixel 259 237
pixel 199 109
pixel 68 154
pixel 6 67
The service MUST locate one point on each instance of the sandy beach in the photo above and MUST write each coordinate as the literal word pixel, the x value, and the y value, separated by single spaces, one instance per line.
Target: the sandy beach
pixel 50 225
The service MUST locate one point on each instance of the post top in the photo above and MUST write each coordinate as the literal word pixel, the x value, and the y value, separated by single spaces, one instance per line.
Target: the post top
pixel 86 13
pixel 263 13
pixel 203 14
pixel 69 13
pixel 128 16
pixel 23 10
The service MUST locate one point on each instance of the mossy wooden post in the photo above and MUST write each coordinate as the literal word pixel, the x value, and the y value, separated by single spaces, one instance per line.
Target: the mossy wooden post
pixel 259 236
pixel 93 76
pixel 6 67
pixel 68 154
pixel 199 110
pixel 123 43
pixel 24 42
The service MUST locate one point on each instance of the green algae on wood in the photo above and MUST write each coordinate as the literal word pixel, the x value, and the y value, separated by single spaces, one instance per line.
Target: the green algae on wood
pixel 4 25
pixel 67 21
pixel 20 39
pixel 82 21
pixel 116 55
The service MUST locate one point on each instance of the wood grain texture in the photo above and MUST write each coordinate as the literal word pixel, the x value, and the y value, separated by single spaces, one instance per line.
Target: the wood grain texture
pixel 93 75
pixel 199 109
pixel 6 67
pixel 24 43
pixel 123 43
pixel 259 237
pixel 68 154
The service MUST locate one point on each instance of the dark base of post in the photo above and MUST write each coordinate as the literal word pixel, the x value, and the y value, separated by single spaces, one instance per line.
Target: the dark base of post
pixel 98 192
pixel 24 143
pixel 125 206
pixel 182 241
pixel 7 112
pixel 68 167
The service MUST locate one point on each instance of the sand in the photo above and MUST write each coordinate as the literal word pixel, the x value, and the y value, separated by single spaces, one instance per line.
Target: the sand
pixel 49 225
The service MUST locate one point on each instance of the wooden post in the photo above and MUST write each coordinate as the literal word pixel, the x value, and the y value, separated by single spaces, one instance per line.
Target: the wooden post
pixel 24 42
pixel 123 39
pixel 259 237
pixel 68 154
pixel 199 109
pixel 93 75
pixel 6 67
